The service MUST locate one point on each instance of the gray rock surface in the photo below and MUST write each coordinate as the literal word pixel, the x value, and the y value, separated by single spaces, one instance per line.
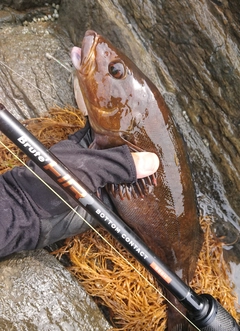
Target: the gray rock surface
pixel 36 291
pixel 190 50
pixel 38 294
pixel 198 79
pixel 30 83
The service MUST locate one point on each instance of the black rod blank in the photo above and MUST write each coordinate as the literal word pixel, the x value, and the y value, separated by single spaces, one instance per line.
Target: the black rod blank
pixel 201 309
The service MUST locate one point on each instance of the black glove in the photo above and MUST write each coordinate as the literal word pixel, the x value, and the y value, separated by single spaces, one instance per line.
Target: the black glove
pixel 37 217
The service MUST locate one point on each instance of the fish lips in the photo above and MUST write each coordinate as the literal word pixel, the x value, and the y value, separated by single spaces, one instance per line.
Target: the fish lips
pixel 80 56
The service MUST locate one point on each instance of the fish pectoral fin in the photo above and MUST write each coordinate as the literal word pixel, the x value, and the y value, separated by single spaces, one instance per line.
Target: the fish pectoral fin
pixel 136 190
pixel 122 191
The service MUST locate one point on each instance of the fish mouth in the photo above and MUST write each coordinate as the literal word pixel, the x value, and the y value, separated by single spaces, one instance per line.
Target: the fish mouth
pixel 81 57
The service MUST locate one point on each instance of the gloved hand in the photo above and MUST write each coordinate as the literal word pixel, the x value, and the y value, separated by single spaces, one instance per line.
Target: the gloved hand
pixel 38 217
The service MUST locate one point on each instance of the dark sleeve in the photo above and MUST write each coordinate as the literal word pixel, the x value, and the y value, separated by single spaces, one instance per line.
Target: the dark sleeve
pixel 25 199
pixel 19 218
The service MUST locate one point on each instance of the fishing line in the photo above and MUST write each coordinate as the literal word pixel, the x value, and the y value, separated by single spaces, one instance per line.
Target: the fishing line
pixel 98 233
pixel 49 56
pixel 34 86
pixel 205 312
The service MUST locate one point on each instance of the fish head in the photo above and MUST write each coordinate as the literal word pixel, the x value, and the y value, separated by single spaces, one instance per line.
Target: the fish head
pixel 114 90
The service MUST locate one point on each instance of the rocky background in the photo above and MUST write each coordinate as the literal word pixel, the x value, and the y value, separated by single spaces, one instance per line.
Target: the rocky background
pixel 190 50
pixel 36 291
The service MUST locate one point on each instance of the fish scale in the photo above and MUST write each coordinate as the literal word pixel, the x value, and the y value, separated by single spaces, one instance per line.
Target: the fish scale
pixel 125 107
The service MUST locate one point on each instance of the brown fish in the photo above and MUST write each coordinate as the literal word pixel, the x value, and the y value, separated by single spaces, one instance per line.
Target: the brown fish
pixel 124 107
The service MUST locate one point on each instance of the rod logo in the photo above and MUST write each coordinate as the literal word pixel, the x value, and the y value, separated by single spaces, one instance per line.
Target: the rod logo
pixel 66 180
pixel 24 141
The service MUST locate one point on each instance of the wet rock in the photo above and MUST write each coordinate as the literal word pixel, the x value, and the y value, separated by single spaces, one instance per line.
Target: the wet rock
pixel 30 83
pixel 190 50
pixel 38 293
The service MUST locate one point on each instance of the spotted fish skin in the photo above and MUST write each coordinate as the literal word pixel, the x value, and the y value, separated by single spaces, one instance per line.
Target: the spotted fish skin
pixel 125 107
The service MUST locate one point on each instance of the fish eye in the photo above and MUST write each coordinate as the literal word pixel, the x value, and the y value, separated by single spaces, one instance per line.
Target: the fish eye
pixel 116 70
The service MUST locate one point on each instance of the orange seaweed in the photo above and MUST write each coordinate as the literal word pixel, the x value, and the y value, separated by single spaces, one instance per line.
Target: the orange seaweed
pixel 133 304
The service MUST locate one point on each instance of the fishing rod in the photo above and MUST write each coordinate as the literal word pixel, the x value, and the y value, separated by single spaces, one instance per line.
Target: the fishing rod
pixel 204 312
